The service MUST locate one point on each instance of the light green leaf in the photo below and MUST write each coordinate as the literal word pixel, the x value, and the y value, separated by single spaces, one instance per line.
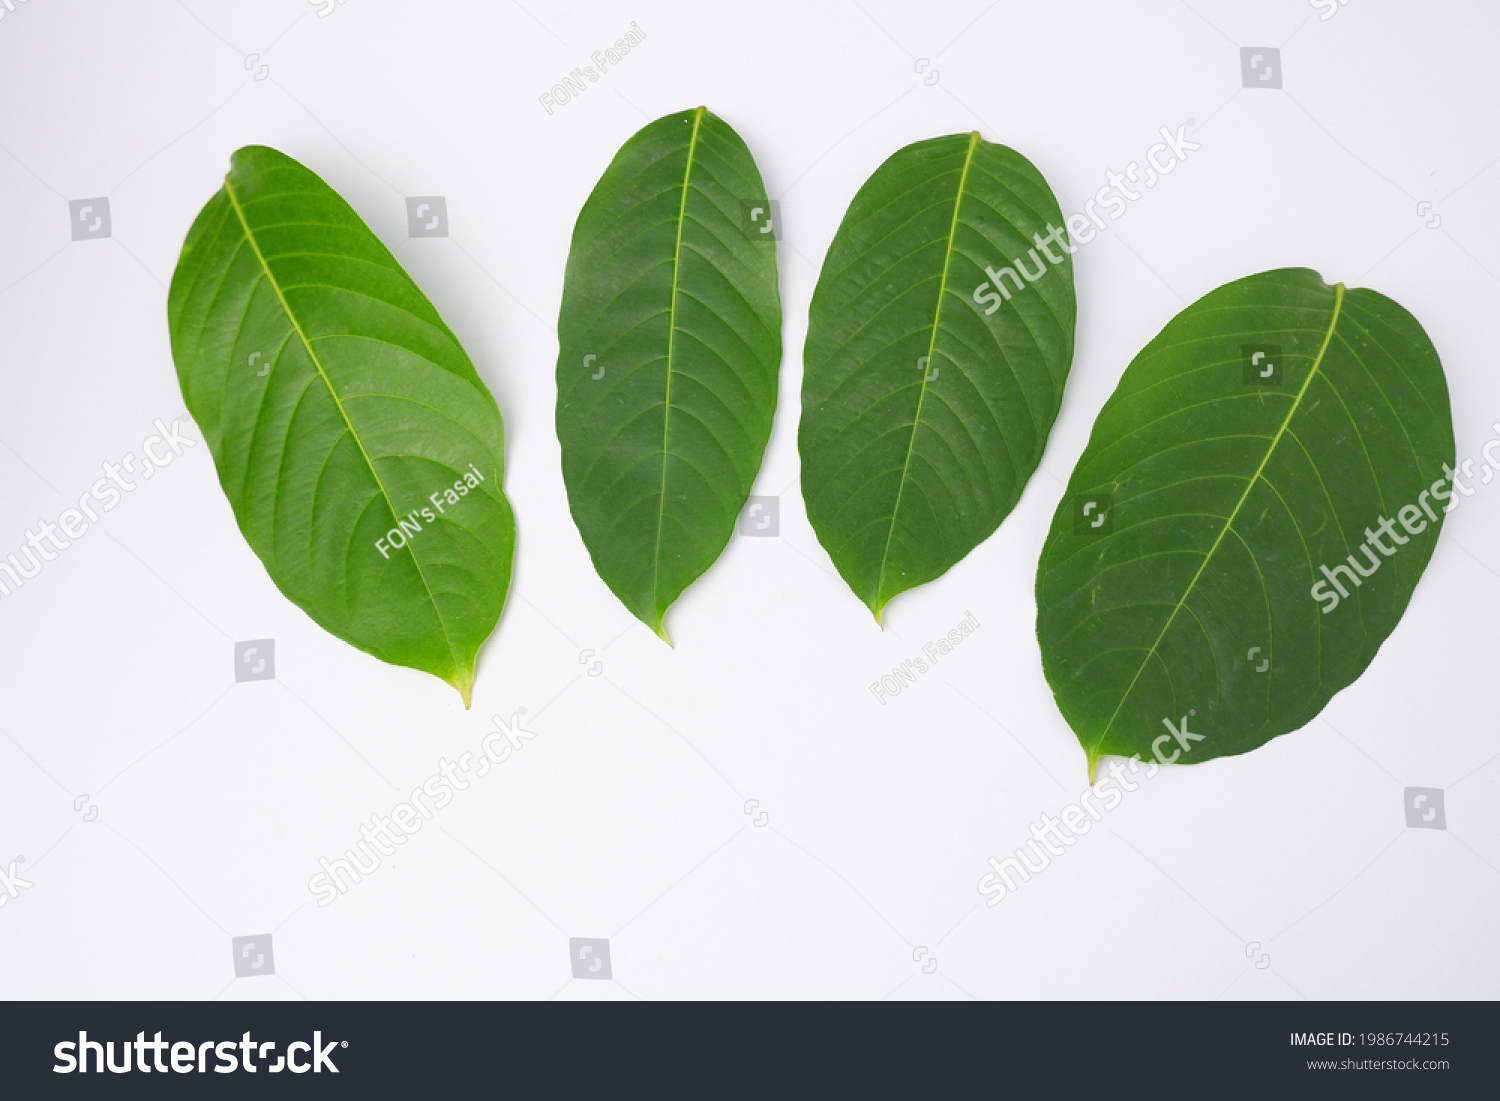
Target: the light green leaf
pixel 669 344
pixel 927 394
pixel 1276 432
pixel 361 452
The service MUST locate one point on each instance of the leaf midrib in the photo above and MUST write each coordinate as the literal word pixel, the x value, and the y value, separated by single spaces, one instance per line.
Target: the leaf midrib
pixel 1338 303
pixel 317 363
pixel 666 416
pixel 937 314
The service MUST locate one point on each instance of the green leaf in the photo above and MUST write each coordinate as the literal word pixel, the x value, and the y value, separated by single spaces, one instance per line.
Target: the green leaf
pixel 927 396
pixel 669 344
pixel 1260 439
pixel 339 409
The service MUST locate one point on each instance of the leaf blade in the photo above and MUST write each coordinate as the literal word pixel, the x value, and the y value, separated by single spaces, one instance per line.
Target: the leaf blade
pixel 1222 481
pixel 923 415
pixel 334 399
pixel 669 346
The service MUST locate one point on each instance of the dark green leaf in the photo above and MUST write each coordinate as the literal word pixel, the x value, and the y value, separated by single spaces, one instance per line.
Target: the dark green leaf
pixel 669 344
pixel 927 396
pixel 1251 450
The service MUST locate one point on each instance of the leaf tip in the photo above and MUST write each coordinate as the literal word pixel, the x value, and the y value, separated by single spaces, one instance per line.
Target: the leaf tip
pixel 464 683
pixel 661 633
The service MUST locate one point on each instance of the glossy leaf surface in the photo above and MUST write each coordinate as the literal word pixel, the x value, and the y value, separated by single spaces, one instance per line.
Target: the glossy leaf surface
pixel 669 345
pixel 1279 441
pixel 360 450
pixel 938 344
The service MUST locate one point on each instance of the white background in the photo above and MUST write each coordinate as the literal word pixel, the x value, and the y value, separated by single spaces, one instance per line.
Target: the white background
pixel 625 817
